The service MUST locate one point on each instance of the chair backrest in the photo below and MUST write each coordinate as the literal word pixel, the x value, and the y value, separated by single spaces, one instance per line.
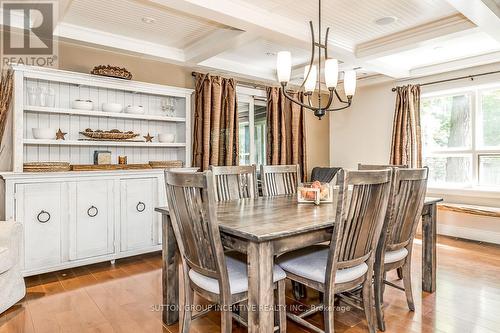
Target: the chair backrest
pixel 405 207
pixel 191 206
pixel 323 175
pixel 361 209
pixel 279 179
pixel 379 166
pixel 234 182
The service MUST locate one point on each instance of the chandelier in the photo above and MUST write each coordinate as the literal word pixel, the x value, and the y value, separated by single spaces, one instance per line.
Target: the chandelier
pixel 312 76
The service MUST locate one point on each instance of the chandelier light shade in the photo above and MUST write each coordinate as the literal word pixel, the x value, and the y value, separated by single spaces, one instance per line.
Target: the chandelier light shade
pixel 331 73
pixel 350 83
pixel 310 83
pixel 313 76
pixel 284 66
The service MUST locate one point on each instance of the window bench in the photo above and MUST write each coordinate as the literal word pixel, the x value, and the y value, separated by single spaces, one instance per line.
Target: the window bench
pixel 470 209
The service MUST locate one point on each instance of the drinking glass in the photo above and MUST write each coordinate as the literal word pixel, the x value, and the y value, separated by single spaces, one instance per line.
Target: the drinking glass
pixel 32 96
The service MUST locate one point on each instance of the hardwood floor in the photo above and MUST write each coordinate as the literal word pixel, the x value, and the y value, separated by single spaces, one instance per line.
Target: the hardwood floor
pixel 122 298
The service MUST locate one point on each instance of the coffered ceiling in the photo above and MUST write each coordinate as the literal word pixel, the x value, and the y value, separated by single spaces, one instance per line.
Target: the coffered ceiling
pixel 392 38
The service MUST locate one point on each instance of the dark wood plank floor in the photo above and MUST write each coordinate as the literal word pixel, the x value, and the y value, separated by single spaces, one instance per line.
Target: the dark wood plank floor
pixel 122 298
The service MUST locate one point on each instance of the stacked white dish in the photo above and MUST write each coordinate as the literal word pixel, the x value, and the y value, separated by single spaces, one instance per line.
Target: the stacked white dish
pixel 44 133
pixel 166 137
pixel 112 107
pixel 134 109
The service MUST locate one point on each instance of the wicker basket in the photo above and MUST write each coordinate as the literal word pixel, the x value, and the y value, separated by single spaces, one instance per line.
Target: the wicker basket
pixel 166 164
pixel 46 167
pixel 109 135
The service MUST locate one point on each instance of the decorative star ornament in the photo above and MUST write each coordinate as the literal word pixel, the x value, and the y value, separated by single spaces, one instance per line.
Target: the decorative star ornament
pixel 60 135
pixel 148 138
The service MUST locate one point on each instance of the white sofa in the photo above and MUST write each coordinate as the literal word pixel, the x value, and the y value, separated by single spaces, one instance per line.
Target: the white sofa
pixel 12 287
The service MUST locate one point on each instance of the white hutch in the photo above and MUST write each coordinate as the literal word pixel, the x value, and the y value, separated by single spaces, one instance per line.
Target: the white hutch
pixel 80 217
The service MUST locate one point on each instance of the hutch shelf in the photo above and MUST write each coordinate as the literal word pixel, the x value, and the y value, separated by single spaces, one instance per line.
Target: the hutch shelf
pixel 81 217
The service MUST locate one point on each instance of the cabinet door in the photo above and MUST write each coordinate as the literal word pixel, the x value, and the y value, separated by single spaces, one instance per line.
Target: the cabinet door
pixel 138 220
pixel 92 224
pixel 42 208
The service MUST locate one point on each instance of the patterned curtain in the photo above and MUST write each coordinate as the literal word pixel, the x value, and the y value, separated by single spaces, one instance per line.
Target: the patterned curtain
pixel 215 136
pixel 6 86
pixel 286 137
pixel 406 134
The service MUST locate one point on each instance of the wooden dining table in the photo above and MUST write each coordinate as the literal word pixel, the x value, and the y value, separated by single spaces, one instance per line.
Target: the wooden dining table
pixel 263 228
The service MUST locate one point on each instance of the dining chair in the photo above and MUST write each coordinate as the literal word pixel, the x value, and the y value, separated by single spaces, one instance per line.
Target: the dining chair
pixel 279 179
pixel 234 182
pixel 347 262
pixel 324 174
pixel 218 277
pixel 362 166
pixel 396 242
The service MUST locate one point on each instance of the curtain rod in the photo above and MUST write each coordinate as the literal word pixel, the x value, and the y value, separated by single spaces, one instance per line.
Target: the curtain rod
pixel 471 77
pixel 243 83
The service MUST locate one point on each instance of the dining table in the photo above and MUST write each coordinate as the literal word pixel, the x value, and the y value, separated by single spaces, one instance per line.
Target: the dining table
pixel 263 228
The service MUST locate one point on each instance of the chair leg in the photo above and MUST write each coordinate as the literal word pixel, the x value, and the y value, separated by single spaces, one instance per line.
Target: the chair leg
pixel 368 304
pixel 407 284
pixel 226 319
pixel 282 305
pixel 185 323
pixel 379 297
pixel 400 273
pixel 329 312
pixel 299 290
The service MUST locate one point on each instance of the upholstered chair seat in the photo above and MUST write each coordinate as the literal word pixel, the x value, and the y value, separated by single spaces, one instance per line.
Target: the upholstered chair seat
pixel 5 260
pixel 311 262
pixel 237 274
pixel 12 287
pixel 395 256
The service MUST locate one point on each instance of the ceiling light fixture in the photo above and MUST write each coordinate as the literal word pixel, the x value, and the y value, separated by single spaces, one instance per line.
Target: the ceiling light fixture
pixel 386 20
pixel 312 76
pixel 148 20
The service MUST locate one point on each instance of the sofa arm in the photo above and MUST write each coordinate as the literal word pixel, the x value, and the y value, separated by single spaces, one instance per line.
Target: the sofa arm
pixel 11 234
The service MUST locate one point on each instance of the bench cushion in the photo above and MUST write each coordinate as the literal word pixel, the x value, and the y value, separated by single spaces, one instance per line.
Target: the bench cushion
pixel 311 262
pixel 237 273
pixel 5 260
pixel 393 256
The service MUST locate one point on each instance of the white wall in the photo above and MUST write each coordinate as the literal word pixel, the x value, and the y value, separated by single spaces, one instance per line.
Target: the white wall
pixel 363 133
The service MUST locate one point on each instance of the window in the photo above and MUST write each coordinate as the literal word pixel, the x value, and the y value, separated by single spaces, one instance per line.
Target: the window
pixel 252 130
pixel 461 138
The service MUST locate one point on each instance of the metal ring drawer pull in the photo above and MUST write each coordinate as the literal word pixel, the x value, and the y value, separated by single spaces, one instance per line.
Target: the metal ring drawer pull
pixel 141 206
pixel 39 217
pixel 92 208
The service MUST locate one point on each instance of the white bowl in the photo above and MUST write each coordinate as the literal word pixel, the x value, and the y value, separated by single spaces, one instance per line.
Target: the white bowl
pixel 112 107
pixel 44 133
pixel 82 105
pixel 166 137
pixel 134 109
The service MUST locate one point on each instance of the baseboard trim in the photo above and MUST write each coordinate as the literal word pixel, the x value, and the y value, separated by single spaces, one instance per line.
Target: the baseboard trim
pixel 469 233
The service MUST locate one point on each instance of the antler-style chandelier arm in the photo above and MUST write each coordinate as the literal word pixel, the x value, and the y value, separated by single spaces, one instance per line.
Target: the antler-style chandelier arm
pixel 296 101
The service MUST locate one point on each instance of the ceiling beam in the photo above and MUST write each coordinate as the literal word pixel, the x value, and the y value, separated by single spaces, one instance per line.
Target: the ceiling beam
pixel 70 32
pixel 445 28
pixel 481 14
pixel 479 60
pixel 216 43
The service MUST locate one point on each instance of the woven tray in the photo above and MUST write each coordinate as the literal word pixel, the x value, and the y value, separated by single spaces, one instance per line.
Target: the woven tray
pixel 46 167
pixel 112 71
pixel 109 135
pixel 166 164
pixel 94 167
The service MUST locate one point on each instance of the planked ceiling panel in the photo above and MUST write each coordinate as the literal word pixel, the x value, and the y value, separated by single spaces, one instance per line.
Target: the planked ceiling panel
pixel 124 17
pixel 352 21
